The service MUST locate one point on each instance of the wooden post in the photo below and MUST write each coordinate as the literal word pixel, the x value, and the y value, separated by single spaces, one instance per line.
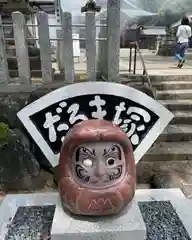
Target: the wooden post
pixel 67 47
pixel 45 47
pixel 19 27
pixel 113 36
pixel 4 72
pixel 90 33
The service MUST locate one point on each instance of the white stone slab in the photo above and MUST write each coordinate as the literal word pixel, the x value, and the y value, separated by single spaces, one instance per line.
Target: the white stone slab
pixel 182 205
pixel 11 202
pixel 128 225
pixel 170 194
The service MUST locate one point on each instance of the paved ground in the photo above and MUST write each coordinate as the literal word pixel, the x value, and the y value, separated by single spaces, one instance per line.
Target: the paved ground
pixel 156 65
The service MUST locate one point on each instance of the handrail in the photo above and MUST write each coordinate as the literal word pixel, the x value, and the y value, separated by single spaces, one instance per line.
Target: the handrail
pixel 137 50
pixel 132 44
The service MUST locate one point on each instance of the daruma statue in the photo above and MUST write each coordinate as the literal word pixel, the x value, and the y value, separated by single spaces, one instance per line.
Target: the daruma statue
pixel 97 169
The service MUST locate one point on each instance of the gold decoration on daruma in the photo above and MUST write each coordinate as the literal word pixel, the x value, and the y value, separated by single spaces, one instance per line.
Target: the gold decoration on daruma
pixel 97 169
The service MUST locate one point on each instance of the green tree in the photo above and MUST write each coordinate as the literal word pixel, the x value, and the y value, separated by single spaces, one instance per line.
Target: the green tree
pixel 148 5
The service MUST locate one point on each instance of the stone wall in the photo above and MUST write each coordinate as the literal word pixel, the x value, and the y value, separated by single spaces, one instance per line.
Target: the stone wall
pixel 22 165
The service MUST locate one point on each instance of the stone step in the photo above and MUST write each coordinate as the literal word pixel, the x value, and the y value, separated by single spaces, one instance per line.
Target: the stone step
pixel 156 78
pixel 170 178
pixel 35 63
pixel 143 186
pixel 12 41
pixel 34 73
pixel 169 85
pixel 174 94
pixel 168 151
pixel 180 104
pixel 32 51
pixel 182 117
pixel 176 133
pixel 164 78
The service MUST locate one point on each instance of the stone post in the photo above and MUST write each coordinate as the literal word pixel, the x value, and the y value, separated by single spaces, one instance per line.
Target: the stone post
pixel 20 28
pixel 60 60
pixel 67 47
pixel 90 34
pixel 102 61
pixel 4 73
pixel 45 47
pixel 113 39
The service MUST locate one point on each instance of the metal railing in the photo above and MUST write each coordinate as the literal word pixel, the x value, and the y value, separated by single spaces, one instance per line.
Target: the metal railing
pixel 133 56
pixel 133 61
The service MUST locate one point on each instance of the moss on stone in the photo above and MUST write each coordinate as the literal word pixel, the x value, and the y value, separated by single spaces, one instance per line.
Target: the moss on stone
pixel 4 133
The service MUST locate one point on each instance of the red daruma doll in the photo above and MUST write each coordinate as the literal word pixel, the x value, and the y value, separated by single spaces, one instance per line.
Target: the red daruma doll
pixel 97 169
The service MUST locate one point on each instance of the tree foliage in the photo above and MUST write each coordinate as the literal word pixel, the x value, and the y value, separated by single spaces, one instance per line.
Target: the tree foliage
pixel 4 133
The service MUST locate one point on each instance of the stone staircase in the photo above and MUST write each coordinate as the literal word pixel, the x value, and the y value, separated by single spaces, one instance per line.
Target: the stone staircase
pixel 169 160
pixel 175 142
pixel 34 60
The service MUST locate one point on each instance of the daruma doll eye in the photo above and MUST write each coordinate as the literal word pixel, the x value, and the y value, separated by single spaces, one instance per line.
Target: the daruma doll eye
pixel 110 161
pixel 87 163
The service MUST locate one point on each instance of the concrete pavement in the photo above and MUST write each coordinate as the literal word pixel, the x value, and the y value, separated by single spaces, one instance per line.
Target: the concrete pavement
pixel 156 65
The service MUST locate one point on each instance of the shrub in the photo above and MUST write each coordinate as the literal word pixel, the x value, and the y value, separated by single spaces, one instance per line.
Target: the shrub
pixel 4 133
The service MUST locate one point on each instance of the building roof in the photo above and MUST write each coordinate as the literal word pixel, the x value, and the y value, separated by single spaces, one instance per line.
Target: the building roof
pixel 137 13
pixel 129 13
pixel 154 31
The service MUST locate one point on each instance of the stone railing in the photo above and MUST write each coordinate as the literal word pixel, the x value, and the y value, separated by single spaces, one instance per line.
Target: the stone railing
pixel 99 60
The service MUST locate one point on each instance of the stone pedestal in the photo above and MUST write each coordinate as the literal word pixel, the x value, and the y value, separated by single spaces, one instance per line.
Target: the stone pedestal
pixel 167 48
pixel 167 45
pixel 128 224
pixel 154 214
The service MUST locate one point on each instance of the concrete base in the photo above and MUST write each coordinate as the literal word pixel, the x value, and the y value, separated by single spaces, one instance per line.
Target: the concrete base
pixel 128 225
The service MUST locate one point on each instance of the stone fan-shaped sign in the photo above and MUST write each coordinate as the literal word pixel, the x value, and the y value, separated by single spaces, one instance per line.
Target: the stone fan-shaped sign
pixel 49 118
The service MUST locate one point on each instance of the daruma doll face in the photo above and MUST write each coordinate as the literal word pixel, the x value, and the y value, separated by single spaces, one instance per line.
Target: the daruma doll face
pixel 98 164
pixel 97 169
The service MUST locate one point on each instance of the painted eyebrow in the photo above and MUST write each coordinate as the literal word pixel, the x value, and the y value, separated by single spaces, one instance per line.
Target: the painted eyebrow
pixel 86 151
pixel 117 149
